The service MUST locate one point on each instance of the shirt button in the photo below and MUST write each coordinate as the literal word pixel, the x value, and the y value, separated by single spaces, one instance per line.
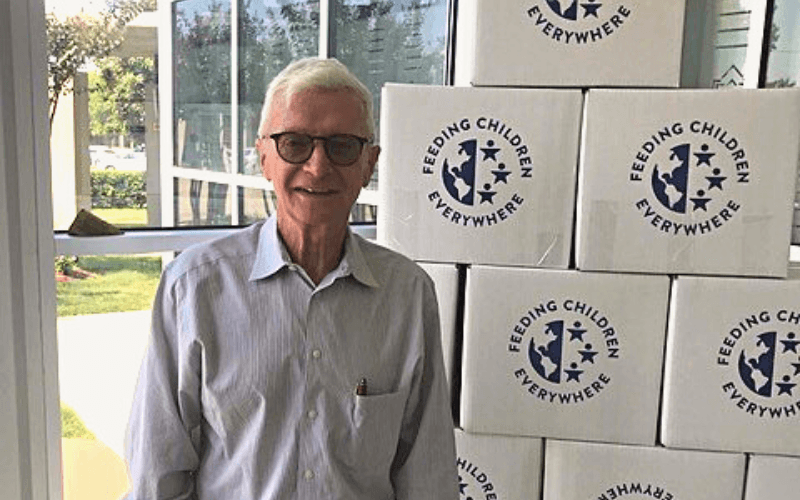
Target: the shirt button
pixel 312 414
pixel 316 353
pixel 308 474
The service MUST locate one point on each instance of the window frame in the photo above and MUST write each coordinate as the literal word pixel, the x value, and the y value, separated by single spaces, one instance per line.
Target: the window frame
pixel 31 466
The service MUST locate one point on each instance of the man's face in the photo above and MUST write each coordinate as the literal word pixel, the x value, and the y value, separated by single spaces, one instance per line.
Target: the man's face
pixel 317 192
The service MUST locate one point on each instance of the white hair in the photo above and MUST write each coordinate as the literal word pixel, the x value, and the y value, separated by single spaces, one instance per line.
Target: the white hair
pixel 314 72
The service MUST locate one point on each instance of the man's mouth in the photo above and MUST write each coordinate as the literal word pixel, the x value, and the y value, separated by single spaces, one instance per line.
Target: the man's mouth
pixel 314 191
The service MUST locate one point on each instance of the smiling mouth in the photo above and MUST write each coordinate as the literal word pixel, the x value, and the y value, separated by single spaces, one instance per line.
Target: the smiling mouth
pixel 315 192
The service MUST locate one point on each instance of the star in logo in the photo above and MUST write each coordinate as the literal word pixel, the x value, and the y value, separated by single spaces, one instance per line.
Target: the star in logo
pixel 462 487
pixel 501 174
pixel 576 332
pixel 701 201
pixel 796 368
pixel 490 152
pixel 704 158
pixel 715 181
pixel 487 196
pixel 785 387
pixel 574 373
pixel 590 8
pixel 587 354
pixel 790 344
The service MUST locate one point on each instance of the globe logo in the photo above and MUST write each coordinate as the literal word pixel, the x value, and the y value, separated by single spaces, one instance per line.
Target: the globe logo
pixel 570 346
pixel 770 364
pixel 476 170
pixel 477 165
pixel 689 180
pixel 558 359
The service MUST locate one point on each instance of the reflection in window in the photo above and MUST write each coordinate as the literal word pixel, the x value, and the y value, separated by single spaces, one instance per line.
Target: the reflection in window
pixel 783 69
pixel 255 204
pixel 202 106
pixel 272 34
pixel 391 41
pixel 201 203
pixel 732 25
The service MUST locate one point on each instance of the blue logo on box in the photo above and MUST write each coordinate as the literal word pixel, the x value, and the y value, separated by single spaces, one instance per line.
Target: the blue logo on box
pixel 761 357
pixel 481 163
pixel 692 176
pixel 569 342
pixel 641 490
pixel 472 479
pixel 579 22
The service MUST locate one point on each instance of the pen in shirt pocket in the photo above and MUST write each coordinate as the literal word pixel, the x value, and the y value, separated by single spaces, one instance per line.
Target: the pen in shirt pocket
pixel 361 388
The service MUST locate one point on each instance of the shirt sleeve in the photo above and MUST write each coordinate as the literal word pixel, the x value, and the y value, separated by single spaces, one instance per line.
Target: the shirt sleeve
pixel 425 466
pixel 163 440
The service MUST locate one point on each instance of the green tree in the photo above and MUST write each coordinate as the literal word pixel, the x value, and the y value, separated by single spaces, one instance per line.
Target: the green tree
pixel 117 94
pixel 75 40
pixel 781 83
pixel 775 35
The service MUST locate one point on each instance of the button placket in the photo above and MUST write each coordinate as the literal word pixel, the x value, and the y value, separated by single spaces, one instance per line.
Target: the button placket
pixel 315 357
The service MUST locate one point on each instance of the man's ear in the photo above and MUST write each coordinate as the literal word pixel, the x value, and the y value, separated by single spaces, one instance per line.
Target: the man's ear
pixel 374 153
pixel 261 146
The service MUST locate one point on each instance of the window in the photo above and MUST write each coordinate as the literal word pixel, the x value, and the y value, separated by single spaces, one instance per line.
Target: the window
pixel 221 69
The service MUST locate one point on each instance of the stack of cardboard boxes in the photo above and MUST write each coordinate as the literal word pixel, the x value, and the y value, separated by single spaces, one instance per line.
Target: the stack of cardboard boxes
pixel 610 254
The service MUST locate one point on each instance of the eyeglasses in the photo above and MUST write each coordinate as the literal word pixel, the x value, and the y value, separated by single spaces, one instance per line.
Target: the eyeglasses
pixel 341 149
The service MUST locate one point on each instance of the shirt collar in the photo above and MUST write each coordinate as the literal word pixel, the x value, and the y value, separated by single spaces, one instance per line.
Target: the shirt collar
pixel 272 256
pixel 355 261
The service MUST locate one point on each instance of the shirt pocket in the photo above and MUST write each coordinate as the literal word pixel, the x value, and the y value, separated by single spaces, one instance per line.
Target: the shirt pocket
pixel 376 425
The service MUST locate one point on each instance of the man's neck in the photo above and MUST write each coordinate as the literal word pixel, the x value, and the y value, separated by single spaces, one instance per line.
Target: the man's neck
pixel 317 250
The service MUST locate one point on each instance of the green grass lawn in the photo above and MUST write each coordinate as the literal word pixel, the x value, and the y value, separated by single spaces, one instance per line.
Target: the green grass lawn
pixel 123 283
pixel 123 217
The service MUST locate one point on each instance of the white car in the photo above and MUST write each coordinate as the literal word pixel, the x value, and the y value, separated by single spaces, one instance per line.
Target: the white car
pixel 104 158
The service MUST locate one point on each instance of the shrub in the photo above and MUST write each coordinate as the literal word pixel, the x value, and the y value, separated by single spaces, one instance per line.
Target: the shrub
pixel 66 263
pixel 117 189
pixel 72 426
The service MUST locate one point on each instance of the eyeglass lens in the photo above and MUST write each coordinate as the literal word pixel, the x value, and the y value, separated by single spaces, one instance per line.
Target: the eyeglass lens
pixel 298 148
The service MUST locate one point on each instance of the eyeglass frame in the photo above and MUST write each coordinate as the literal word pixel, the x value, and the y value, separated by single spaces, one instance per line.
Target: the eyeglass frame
pixel 276 136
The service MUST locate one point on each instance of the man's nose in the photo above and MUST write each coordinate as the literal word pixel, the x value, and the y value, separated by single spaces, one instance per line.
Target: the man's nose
pixel 318 163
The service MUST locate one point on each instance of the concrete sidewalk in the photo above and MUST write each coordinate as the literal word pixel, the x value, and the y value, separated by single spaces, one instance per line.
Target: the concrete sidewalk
pixel 98 365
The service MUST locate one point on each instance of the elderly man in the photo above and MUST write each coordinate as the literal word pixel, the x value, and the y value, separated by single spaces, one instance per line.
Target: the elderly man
pixel 295 360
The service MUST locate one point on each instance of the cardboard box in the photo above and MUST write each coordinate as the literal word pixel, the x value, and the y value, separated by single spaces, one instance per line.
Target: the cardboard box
pixel 479 175
pixel 772 478
pixel 499 467
pixel 688 182
pixel 587 44
pixel 583 471
pixel 732 376
pixel 563 354
pixel 445 278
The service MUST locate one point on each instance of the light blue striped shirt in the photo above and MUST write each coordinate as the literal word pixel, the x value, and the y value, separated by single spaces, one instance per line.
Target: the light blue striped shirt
pixel 247 390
